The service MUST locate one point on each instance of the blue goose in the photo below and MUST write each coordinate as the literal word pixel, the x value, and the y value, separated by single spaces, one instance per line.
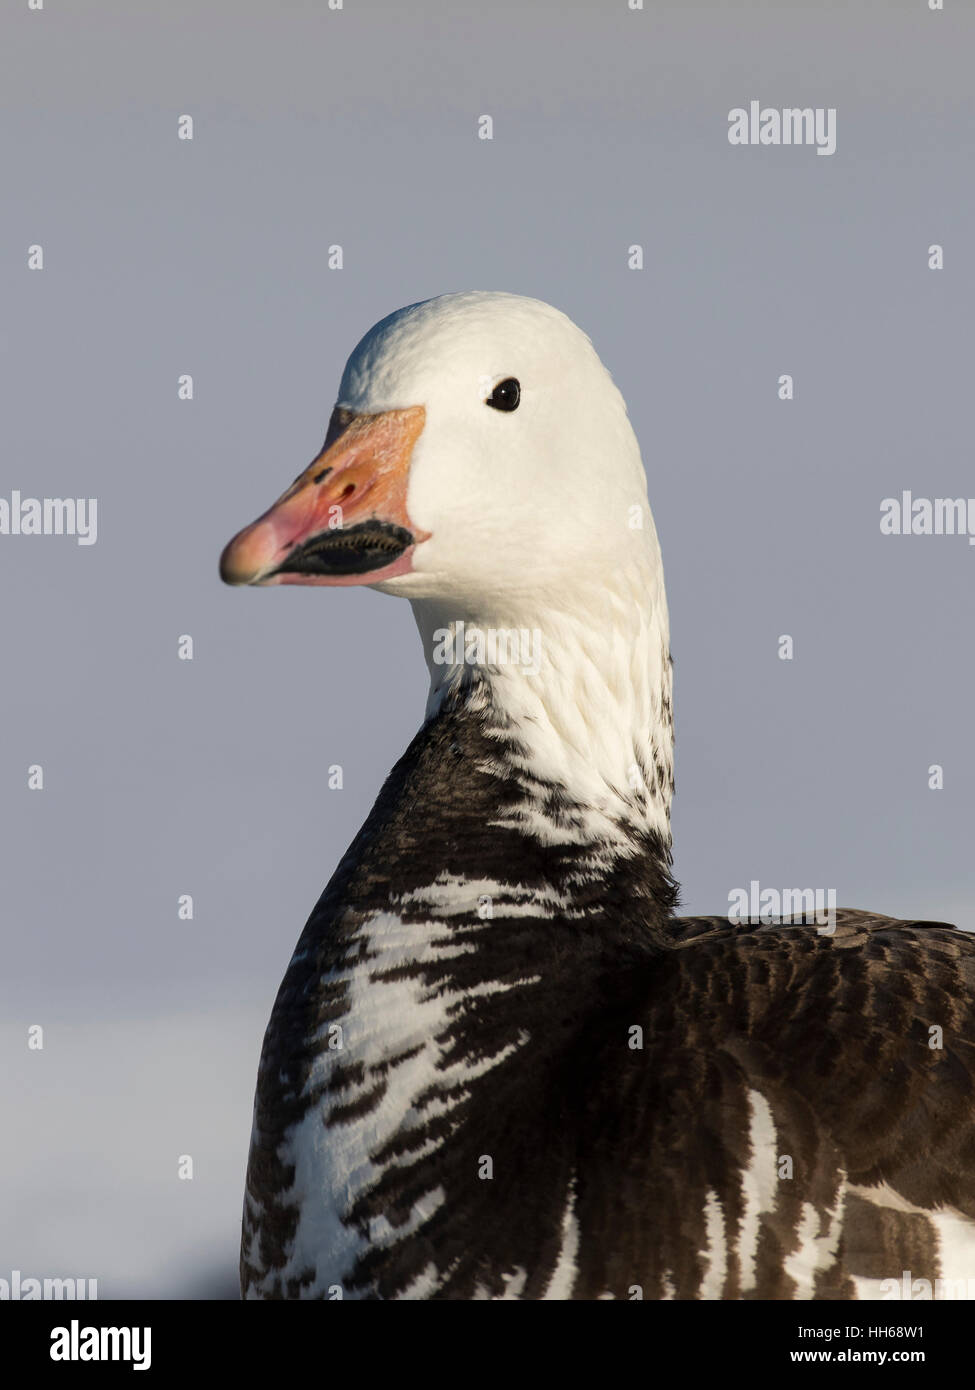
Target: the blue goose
pixel 499 1066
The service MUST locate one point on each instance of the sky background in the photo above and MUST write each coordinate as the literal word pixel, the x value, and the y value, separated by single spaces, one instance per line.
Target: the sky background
pixel 209 257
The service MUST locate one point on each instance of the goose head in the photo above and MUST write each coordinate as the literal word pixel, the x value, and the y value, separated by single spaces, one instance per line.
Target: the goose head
pixel 479 462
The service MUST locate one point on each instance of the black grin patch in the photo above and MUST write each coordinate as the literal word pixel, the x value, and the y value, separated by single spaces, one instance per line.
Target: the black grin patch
pixel 369 545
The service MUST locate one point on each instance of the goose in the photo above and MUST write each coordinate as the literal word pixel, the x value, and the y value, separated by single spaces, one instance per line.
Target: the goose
pixel 499 1065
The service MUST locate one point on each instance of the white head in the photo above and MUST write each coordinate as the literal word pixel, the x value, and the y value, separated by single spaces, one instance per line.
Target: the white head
pixel 480 463
pixel 521 502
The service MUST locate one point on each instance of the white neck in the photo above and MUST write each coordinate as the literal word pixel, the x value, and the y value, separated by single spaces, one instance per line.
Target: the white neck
pixel 587 700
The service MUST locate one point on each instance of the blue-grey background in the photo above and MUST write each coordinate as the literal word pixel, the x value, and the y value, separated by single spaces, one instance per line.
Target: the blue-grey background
pixel 208 257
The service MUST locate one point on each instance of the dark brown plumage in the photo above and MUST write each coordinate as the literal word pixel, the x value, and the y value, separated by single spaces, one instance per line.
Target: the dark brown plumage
pixel 831 1031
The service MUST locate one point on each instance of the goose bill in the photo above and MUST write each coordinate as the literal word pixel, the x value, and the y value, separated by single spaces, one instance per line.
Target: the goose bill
pixel 344 520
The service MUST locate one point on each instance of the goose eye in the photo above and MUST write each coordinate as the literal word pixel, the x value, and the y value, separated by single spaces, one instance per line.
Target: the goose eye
pixel 505 395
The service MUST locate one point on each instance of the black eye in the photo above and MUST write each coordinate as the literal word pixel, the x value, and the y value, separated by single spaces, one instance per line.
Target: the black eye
pixel 505 395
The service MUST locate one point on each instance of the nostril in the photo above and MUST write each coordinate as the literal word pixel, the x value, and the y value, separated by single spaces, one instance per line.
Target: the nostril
pixel 349 489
